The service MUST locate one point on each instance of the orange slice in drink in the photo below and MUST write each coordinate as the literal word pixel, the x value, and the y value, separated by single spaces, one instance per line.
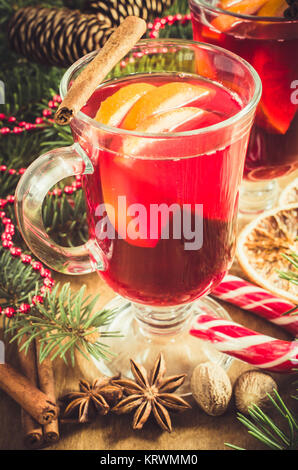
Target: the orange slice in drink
pixel 163 98
pixel 142 181
pixel 225 4
pixel 276 109
pixel 273 8
pixel 244 7
pixel 115 107
pixel 168 121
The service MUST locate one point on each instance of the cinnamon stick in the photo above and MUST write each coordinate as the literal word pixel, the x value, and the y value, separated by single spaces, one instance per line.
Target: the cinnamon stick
pixel 33 432
pixel 116 47
pixel 47 385
pixel 29 397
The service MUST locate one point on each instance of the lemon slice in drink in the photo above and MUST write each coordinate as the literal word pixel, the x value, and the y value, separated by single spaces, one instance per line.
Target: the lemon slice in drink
pixel 261 247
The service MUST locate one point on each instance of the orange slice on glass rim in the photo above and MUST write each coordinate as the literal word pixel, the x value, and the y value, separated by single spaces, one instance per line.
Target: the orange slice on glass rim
pixel 113 109
pixel 163 98
pixel 244 7
pixel 262 245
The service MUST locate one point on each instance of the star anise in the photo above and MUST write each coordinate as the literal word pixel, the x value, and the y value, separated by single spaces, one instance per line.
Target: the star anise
pixel 91 400
pixel 151 394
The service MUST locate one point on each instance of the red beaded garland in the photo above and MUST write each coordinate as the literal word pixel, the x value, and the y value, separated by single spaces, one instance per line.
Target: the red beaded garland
pixel 9 229
pixel 22 126
pixel 24 308
pixel 7 243
pixel 26 259
pixel 37 299
pixel 9 312
pixel 160 23
pixel 36 265
pixel 15 251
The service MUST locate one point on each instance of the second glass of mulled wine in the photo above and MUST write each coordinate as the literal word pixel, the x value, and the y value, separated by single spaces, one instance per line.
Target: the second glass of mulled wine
pixel 265 33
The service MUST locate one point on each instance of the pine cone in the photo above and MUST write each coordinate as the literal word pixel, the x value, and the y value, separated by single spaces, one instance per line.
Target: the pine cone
pixel 112 11
pixel 56 36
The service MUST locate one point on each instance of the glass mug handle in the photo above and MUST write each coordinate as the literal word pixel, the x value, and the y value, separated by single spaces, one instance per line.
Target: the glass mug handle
pixel 31 191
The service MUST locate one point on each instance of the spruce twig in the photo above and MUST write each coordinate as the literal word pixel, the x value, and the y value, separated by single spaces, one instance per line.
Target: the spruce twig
pixel 17 280
pixel 263 428
pixel 290 275
pixel 64 324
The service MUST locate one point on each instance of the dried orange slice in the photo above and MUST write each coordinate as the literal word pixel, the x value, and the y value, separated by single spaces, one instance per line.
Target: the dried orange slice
pixel 113 110
pixel 261 246
pixel 273 8
pixel 163 98
pixel 244 7
pixel 289 195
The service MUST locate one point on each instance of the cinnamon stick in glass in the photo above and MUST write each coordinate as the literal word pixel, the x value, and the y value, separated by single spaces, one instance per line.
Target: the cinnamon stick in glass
pixel 33 432
pixel 47 385
pixel 29 397
pixel 117 46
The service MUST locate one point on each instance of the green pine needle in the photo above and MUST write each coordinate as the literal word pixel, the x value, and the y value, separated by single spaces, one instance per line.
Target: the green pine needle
pixel 63 325
pixel 17 280
pixel 290 275
pixel 263 428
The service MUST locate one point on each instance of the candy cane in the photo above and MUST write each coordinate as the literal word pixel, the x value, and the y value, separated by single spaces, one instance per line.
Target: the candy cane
pixel 239 292
pixel 254 348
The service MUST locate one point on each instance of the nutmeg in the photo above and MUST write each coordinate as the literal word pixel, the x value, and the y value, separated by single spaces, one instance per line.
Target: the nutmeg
pixel 211 388
pixel 252 387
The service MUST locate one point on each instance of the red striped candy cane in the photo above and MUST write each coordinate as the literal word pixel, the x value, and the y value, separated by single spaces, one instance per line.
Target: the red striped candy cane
pixel 239 292
pixel 254 348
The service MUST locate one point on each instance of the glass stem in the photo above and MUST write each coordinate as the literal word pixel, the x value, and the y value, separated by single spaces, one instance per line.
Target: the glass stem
pixel 162 320
pixel 256 197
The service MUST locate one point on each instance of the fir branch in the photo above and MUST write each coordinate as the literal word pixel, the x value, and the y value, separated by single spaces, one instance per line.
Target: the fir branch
pixel 65 219
pixel 8 182
pixel 17 281
pixel 56 136
pixel 63 324
pixel 179 6
pixel 290 275
pixel 177 29
pixel 64 216
pixel 26 84
pixel 20 150
pixel 263 428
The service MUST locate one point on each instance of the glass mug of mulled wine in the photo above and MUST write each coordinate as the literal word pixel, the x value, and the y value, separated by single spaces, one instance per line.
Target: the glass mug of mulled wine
pixel 258 31
pixel 161 148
